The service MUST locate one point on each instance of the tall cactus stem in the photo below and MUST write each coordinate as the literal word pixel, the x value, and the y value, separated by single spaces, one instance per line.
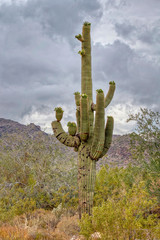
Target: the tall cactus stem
pixel 86 78
pixel 84 118
pixel 86 75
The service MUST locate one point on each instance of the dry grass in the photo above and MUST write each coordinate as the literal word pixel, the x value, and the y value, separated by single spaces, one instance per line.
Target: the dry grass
pixel 69 226
pixel 47 235
pixel 40 225
pixel 8 232
pixel 39 219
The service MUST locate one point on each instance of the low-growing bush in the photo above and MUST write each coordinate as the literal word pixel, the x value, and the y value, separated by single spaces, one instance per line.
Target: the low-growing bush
pixel 13 233
pixel 123 207
pixel 68 225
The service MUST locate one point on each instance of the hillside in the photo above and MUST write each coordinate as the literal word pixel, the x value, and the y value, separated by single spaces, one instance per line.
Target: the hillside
pixel 39 191
pixel 8 127
pixel 118 154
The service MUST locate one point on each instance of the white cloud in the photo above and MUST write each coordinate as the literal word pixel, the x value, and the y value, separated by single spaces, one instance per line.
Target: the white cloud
pixel 44 115
pixel 120 113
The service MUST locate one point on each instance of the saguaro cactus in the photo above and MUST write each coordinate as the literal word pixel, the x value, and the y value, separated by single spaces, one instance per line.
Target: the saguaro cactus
pixel 91 139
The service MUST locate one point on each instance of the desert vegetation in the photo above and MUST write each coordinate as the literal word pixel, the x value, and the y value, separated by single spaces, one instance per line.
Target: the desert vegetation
pixel 39 193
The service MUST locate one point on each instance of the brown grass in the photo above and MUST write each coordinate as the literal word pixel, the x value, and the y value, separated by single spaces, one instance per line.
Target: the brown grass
pixel 69 226
pixel 40 225
pixel 8 232
pixel 38 219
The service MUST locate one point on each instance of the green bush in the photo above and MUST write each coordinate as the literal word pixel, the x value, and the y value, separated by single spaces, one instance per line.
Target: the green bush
pixel 110 181
pixel 123 207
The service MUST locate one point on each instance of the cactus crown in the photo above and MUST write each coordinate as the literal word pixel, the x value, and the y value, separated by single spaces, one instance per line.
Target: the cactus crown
pixel 112 83
pixel 99 91
pixel 84 95
pixel 58 109
pixel 87 24
pixel 77 93
pixel 71 124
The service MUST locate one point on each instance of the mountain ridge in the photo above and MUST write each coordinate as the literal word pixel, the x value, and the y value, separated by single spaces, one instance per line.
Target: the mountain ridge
pixel 8 126
pixel 118 154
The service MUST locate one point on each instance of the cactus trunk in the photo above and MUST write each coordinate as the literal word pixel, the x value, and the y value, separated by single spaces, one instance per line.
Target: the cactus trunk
pixel 92 140
pixel 86 179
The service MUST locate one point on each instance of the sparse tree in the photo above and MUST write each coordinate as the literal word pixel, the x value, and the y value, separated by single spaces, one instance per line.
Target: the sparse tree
pixel 145 142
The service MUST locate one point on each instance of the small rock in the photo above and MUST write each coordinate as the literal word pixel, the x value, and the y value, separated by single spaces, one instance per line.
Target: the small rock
pixel 77 238
pixel 95 236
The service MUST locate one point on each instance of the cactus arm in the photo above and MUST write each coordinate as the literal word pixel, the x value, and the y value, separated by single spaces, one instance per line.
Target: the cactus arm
pixel 63 137
pixel 108 97
pixel 99 136
pixel 79 37
pixel 77 98
pixel 110 94
pixel 77 101
pixel 78 120
pixel 84 118
pixel 108 135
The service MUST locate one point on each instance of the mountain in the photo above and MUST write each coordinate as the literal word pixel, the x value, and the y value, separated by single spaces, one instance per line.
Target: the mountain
pixel 119 153
pixel 8 126
pixel 13 133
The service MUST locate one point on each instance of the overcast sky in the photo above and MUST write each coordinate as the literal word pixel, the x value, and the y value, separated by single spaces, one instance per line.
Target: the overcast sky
pixel 40 66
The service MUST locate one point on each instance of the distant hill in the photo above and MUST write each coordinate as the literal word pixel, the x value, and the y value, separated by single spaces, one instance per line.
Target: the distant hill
pixel 8 126
pixel 118 154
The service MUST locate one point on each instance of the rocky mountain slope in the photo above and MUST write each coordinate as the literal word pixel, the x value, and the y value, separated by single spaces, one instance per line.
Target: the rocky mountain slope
pixel 8 126
pixel 14 133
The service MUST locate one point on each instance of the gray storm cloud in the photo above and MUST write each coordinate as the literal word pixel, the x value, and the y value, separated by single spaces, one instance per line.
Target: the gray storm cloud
pixel 40 67
pixel 36 56
pixel 133 73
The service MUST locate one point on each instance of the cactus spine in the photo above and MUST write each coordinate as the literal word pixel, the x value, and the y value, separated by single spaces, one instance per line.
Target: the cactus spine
pixel 92 139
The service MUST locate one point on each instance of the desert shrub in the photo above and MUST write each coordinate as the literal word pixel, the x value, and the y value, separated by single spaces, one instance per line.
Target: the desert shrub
pixel 36 221
pixel 68 225
pixel 40 224
pixel 145 147
pixel 123 207
pixel 68 197
pixel 33 176
pixel 14 233
pixel 46 224
pixel 111 181
pixel 15 202
pixel 49 236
